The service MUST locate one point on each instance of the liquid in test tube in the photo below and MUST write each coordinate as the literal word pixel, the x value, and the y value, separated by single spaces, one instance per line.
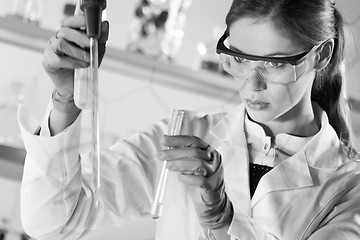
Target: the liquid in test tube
pixel 174 129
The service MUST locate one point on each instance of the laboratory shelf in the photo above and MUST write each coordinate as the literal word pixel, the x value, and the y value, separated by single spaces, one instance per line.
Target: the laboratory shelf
pixel 30 36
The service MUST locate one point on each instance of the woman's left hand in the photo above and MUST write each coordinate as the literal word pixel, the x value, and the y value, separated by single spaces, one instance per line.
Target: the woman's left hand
pixel 200 169
pixel 191 156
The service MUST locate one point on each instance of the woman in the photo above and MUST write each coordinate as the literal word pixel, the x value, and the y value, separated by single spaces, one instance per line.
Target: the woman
pixel 279 166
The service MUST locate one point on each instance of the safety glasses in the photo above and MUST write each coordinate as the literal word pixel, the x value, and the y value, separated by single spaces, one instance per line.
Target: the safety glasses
pixel 280 70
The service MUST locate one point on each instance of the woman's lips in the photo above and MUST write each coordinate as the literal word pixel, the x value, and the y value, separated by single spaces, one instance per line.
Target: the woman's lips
pixel 256 105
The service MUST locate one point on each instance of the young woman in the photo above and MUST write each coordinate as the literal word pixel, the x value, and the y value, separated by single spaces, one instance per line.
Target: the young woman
pixel 279 166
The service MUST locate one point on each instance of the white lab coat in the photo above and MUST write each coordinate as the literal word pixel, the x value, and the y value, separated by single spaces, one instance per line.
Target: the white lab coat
pixel 315 194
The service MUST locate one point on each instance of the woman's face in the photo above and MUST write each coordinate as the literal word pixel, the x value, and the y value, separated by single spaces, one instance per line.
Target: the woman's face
pixel 264 101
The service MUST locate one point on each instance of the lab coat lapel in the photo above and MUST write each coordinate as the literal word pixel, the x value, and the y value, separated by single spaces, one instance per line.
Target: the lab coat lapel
pixel 236 168
pixel 233 149
pixel 292 173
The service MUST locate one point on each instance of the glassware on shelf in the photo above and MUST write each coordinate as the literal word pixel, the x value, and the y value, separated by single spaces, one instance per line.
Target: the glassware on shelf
pixel 15 8
pixel 157 30
pixel 29 11
pixel 34 11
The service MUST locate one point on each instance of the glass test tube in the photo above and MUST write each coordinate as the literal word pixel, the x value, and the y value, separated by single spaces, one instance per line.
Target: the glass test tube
pixel 173 129
pixel 95 129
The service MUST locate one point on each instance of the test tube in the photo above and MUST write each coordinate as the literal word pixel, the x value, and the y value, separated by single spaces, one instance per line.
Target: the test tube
pixel 173 129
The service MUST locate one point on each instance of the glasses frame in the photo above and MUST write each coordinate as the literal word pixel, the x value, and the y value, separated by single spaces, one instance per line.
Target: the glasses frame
pixel 293 60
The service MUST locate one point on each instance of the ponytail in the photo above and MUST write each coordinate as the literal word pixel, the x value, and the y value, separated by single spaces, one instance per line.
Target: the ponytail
pixel 329 90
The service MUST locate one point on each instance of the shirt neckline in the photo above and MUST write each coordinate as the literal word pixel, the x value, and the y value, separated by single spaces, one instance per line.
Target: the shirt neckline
pixel 285 144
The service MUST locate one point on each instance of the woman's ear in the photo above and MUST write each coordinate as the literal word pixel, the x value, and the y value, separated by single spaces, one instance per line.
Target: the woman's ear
pixel 225 61
pixel 324 54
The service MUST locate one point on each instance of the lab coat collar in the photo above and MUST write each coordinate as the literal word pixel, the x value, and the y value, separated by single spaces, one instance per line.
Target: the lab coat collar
pixel 231 127
pixel 322 148
pixel 293 173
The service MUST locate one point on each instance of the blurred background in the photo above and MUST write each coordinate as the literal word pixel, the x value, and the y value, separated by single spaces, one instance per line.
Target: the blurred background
pixel 161 56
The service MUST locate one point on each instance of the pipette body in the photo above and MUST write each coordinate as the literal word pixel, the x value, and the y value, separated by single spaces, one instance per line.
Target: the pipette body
pixel 93 13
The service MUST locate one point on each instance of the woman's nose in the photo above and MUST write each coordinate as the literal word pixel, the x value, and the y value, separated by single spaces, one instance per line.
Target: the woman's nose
pixel 256 80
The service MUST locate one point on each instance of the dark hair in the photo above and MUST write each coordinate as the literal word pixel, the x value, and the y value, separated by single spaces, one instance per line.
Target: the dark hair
pixel 309 23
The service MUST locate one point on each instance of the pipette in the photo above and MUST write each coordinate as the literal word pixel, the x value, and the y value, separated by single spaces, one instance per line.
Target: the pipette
pixel 173 129
pixel 93 12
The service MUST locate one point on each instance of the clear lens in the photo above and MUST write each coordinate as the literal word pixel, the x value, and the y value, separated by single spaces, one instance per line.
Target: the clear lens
pixel 281 73
pixel 275 72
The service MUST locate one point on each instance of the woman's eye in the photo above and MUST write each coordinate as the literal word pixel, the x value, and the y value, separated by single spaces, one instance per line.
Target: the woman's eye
pixel 275 64
pixel 239 59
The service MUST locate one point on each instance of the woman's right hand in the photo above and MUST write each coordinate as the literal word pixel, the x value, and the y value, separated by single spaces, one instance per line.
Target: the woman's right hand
pixel 69 49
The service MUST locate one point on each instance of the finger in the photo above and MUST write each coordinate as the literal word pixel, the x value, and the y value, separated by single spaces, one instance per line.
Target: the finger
pixel 214 156
pixel 193 180
pixel 52 62
pixel 194 165
pixel 183 153
pixel 75 36
pixel 62 47
pixel 77 21
pixel 184 141
pixel 209 183
pixel 191 159
pixel 189 166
